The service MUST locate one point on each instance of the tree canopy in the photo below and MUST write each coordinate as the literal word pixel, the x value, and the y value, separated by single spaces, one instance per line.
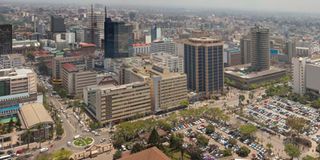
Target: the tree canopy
pixel 247 129
pixel 292 150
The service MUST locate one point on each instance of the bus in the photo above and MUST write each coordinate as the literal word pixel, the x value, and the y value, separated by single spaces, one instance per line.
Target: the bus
pixel 5 157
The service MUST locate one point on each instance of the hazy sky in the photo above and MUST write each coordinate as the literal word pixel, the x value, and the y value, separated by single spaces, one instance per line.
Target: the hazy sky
pixel 266 5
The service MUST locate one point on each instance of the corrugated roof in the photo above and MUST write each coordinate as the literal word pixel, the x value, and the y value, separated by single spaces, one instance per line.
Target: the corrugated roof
pixel 33 114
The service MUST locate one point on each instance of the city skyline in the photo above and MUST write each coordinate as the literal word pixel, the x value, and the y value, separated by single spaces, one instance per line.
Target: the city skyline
pixel 306 6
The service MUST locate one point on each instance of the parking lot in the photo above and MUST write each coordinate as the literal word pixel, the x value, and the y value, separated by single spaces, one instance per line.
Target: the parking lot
pixel 220 139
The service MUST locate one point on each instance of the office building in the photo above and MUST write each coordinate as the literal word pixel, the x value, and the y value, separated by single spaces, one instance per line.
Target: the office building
pixel 168 89
pixel 260 48
pixel 79 61
pixel 138 49
pixel 74 79
pixel 172 62
pixel 203 64
pixel 5 39
pixel 305 75
pixel 118 38
pixel 11 61
pixel 245 50
pixel 57 24
pixel 233 56
pixel 299 75
pixel 302 51
pixel 155 33
pixel 167 46
pixel 110 104
pixel 290 50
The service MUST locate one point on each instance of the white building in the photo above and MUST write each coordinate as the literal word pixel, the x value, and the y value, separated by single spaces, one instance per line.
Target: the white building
pixel 140 49
pixel 163 46
pixel 11 61
pixel 298 74
pixel 302 51
pixel 172 62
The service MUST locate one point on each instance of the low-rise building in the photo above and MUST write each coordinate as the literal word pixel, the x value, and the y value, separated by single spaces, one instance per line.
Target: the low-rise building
pixel 11 61
pixel 172 62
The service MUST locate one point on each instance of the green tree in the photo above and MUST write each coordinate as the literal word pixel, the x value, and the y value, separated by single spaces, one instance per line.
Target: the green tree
pixel 297 124
pixel 176 141
pixel 227 152
pixel 269 147
pixel 59 129
pixel 154 138
pixel 194 152
pixel 117 155
pixel 210 129
pixel 43 156
pixel 61 154
pixel 232 141
pixel 292 150
pixel 247 129
pixel 137 147
pixel 308 158
pixel 318 148
pixel 243 151
pixel 184 103
pixel 316 104
pixel 202 140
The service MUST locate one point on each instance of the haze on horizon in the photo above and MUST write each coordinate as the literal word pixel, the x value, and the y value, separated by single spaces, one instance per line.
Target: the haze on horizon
pixel 306 6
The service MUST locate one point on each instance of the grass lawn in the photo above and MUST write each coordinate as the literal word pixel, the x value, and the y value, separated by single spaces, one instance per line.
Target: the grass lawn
pixel 82 141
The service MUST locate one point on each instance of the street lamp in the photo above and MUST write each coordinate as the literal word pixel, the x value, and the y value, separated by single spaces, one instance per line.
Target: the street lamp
pixel 184 147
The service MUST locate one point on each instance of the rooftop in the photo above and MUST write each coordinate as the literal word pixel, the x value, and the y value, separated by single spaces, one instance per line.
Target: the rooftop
pixel 14 73
pixel 70 67
pixel 33 114
pixel 152 153
pixel 239 71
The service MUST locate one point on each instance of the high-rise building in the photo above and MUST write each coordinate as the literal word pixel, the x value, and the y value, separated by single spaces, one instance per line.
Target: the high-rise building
pixel 203 64
pixel 5 39
pixel 245 47
pixel 118 38
pixel 155 33
pixel 57 25
pixel 298 74
pixel 172 62
pixel 260 48
pixel 290 50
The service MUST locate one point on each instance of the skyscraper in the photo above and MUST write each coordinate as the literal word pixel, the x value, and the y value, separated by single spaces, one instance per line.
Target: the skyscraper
pixel 260 48
pixel 155 33
pixel 203 62
pixel 118 37
pixel 245 47
pixel 57 25
pixel 5 39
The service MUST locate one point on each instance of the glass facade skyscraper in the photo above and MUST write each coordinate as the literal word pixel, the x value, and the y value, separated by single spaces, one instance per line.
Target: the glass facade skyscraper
pixel 203 62
pixel 5 39
pixel 260 48
pixel 118 38
pixel 57 24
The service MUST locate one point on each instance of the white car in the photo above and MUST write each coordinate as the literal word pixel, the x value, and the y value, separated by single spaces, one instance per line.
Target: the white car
pixel 44 150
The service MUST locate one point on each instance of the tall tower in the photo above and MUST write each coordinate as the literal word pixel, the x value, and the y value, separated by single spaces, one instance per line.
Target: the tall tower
pixel 5 39
pixel 245 47
pixel 203 62
pixel 260 48
pixel 93 26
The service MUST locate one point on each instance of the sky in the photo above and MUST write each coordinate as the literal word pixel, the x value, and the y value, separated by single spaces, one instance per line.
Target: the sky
pixel 258 5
